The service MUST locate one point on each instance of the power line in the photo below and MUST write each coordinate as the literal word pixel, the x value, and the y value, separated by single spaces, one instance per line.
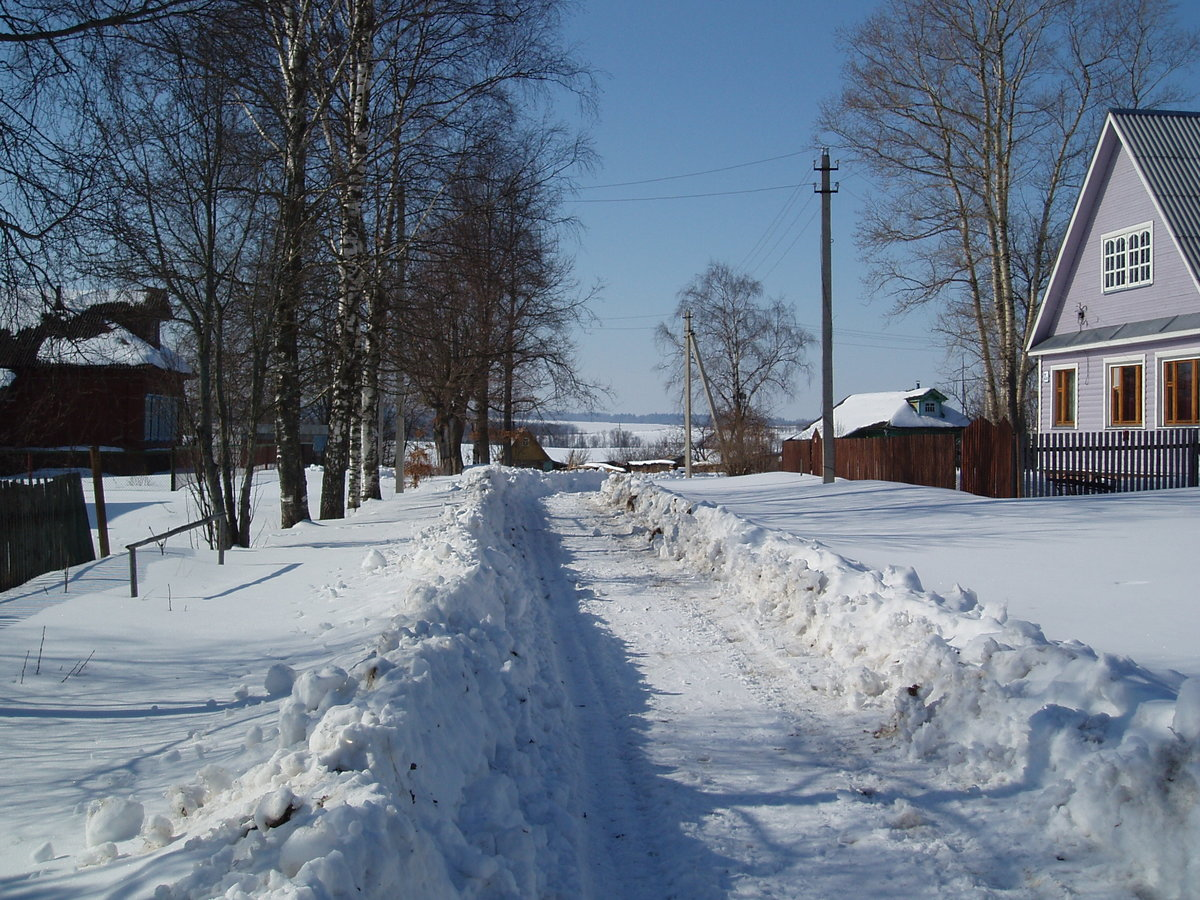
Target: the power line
pixel 799 234
pixel 757 162
pixel 780 187
pixel 770 230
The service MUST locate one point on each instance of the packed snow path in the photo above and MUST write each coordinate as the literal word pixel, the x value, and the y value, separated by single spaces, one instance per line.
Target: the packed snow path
pixel 713 769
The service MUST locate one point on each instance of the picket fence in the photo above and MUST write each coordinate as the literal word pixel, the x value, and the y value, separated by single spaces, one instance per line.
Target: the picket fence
pixel 992 461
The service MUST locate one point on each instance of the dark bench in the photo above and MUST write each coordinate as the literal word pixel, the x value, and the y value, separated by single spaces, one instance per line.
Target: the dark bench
pixel 1078 482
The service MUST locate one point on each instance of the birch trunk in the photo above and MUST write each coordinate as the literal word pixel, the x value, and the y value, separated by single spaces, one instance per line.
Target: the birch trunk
pixel 293 56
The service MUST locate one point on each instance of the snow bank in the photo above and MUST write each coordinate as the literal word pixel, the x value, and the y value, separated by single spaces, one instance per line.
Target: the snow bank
pixel 1111 750
pixel 440 760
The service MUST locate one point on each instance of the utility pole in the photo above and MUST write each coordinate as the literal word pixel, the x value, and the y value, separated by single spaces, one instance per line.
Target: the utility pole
pixel 687 394
pixel 829 467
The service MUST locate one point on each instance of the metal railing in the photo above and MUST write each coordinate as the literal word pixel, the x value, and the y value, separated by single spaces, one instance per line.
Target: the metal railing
pixel 132 548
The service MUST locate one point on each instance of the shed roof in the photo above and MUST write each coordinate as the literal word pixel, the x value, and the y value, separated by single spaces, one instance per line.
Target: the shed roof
pixel 1185 323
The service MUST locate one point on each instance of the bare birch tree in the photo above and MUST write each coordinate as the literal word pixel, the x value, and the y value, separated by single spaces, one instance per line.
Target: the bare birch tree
pixel 752 350
pixel 186 184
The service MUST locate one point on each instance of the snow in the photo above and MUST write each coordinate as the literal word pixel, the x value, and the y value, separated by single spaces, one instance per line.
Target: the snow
pixel 116 347
pixel 518 684
pixel 884 408
pixel 1105 569
pixel 7 377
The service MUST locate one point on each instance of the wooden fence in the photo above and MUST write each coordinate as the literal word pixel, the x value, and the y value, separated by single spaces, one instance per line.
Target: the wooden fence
pixel 43 527
pixel 995 463
pixel 926 459
pixel 1108 461
pixel 25 461
pixel 989 459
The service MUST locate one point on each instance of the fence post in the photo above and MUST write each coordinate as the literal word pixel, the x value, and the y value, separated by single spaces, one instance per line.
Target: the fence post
pixel 133 572
pixel 98 494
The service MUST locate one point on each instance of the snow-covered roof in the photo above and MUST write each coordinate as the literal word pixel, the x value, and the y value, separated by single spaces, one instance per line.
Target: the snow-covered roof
pixel 116 347
pixel 891 408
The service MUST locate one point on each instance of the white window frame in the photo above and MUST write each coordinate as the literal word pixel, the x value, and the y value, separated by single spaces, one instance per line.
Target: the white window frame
pixel 1053 393
pixel 1118 362
pixel 1119 271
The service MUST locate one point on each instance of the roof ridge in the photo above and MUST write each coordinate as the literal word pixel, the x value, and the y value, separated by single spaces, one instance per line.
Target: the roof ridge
pixel 1134 111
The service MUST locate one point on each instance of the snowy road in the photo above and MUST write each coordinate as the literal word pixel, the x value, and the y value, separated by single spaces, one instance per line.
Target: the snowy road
pixel 715 768
pixel 514 685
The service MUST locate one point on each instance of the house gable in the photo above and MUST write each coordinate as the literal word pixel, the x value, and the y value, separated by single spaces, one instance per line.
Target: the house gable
pixel 1117 335
pixel 1145 172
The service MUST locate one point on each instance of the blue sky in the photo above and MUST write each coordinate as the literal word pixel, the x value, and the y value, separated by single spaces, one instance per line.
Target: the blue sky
pixel 697 85
pixel 693 86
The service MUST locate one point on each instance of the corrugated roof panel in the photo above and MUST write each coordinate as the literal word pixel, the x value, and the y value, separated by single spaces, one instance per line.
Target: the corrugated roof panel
pixel 1166 145
pixel 1188 323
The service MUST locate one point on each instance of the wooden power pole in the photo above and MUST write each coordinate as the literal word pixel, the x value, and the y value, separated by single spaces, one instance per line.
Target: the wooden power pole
pixel 687 394
pixel 829 465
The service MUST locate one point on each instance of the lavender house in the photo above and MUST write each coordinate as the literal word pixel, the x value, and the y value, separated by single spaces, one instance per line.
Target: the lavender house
pixel 1117 340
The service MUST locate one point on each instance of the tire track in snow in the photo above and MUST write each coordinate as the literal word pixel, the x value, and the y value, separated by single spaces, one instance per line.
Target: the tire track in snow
pixel 712 768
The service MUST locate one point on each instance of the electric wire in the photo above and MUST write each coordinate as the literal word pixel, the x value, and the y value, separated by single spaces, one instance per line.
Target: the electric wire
pixel 757 162
pixel 784 210
pixel 761 190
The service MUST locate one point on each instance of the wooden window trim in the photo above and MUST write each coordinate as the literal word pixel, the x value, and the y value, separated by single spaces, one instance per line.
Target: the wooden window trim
pixel 1172 414
pixel 1121 395
pixel 1063 397
pixel 1127 258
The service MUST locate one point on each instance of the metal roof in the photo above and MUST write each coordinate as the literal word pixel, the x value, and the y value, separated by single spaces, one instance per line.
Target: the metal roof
pixel 1187 323
pixel 1165 145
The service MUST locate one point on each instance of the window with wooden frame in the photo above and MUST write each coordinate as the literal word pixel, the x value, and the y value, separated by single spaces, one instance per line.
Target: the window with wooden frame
pixel 1063 403
pixel 1181 392
pixel 1125 395
pixel 161 419
pixel 1127 257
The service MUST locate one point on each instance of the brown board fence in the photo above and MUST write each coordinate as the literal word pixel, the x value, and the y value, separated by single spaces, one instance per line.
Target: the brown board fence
pixel 989 459
pixel 926 459
pixel 43 527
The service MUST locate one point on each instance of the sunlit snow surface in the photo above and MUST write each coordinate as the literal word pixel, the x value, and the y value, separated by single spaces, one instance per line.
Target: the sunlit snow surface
pixel 512 685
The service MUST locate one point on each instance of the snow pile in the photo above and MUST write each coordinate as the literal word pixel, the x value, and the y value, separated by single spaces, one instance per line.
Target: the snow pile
pixel 1109 747
pixel 440 760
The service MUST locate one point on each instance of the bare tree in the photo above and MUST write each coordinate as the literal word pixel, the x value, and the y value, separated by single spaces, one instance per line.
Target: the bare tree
pixel 55 20
pixel 976 117
pixel 416 75
pixel 186 184
pixel 48 157
pixel 752 350
pixel 494 255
